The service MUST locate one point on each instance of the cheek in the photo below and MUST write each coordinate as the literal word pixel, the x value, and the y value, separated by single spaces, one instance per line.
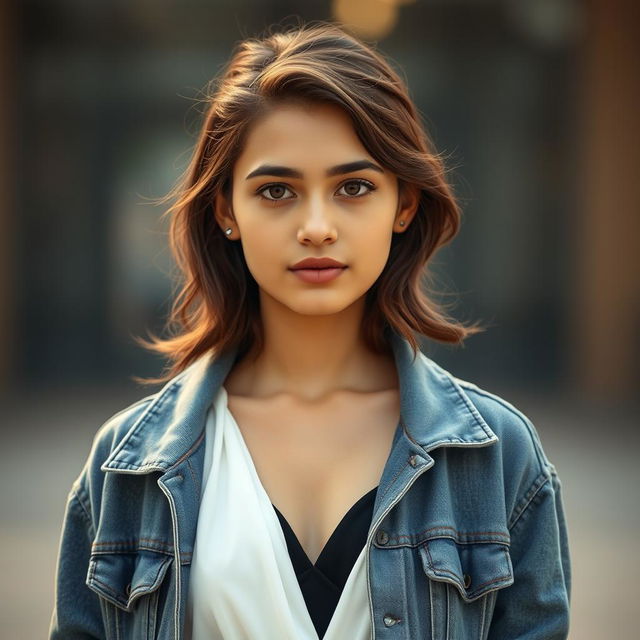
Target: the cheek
pixel 264 252
pixel 258 253
pixel 372 250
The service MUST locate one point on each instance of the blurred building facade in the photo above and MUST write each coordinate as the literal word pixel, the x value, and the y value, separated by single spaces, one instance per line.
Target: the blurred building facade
pixel 534 103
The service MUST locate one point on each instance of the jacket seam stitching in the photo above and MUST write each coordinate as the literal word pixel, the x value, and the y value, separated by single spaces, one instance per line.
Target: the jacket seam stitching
pixel 393 480
pixel 407 432
pixel 482 620
pixel 115 550
pixel 193 476
pixel 129 409
pixel 470 594
pixel 459 536
pixel 529 497
pixel 164 464
pixel 477 416
pixel 191 449
pixel 541 457
pixel 123 549
pixel 84 508
pixel 157 403
pixel 133 544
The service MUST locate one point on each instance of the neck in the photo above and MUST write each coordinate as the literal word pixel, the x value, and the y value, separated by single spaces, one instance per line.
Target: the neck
pixel 310 357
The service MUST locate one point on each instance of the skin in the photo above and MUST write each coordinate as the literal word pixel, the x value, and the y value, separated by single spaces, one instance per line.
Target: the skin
pixel 313 345
pixel 316 402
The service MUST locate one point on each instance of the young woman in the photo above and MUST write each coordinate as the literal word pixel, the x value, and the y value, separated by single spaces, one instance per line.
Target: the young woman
pixel 305 471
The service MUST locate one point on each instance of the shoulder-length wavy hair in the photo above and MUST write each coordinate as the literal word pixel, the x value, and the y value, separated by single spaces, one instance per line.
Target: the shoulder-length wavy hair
pixel 217 305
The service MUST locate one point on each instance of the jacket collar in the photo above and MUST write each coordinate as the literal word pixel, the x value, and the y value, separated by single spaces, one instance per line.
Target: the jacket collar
pixel 435 410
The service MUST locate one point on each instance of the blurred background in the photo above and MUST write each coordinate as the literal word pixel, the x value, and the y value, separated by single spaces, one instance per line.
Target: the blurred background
pixel 535 104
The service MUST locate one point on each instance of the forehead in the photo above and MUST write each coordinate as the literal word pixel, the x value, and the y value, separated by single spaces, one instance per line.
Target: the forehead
pixel 299 135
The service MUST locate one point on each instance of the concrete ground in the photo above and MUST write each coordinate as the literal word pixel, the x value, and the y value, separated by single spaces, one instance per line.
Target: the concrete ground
pixel 46 438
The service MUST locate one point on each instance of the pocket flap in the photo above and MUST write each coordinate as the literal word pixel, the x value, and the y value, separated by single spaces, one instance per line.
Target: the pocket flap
pixel 474 569
pixel 121 578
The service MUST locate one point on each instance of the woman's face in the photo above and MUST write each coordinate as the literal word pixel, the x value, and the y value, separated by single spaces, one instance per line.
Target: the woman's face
pixel 304 186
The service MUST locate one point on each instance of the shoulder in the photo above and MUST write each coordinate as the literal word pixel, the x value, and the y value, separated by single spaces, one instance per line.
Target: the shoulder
pixel 113 430
pixel 144 418
pixel 106 440
pixel 518 457
pixel 513 427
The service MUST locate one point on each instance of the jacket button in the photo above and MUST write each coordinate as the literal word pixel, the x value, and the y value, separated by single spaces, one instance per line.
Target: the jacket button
pixel 413 460
pixel 382 537
pixel 467 580
pixel 390 620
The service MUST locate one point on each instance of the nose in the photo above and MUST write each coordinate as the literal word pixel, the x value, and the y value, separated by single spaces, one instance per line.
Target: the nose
pixel 318 225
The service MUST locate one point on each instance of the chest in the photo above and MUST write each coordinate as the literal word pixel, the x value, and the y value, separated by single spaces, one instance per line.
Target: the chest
pixel 315 461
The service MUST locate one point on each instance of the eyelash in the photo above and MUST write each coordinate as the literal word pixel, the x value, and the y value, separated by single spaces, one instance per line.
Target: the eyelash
pixel 360 181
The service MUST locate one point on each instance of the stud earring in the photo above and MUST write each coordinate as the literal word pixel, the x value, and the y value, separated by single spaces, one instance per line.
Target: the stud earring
pixel 228 231
pixel 401 223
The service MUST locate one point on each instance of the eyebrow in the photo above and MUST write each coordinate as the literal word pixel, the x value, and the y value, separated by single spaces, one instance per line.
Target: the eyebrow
pixel 288 172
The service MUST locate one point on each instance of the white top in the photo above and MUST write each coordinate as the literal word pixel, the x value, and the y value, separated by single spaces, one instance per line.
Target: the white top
pixel 242 582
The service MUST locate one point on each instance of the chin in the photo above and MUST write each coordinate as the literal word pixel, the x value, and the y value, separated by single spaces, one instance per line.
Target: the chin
pixel 316 307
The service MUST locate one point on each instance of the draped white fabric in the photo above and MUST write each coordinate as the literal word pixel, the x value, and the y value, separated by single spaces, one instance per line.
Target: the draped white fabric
pixel 242 582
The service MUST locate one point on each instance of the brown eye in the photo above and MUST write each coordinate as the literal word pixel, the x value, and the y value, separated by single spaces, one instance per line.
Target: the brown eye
pixel 352 188
pixel 275 191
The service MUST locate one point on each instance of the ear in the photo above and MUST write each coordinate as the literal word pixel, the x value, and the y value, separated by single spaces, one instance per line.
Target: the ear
pixel 408 202
pixel 223 213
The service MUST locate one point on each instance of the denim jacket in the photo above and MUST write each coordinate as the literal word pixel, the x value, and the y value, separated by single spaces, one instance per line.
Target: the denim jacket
pixel 468 538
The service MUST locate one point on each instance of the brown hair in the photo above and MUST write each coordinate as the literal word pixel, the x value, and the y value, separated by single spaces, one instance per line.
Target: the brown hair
pixel 217 307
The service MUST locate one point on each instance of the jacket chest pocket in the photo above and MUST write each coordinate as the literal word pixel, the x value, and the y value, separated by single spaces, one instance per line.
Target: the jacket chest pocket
pixel 129 588
pixel 464 580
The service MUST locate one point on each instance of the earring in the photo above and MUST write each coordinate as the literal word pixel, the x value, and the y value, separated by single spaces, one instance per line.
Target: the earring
pixel 401 223
pixel 228 231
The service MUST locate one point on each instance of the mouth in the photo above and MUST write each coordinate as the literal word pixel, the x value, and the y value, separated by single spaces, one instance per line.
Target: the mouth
pixel 311 262
pixel 318 275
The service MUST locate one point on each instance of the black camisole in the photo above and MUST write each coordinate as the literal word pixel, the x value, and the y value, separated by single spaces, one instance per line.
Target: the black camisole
pixel 321 584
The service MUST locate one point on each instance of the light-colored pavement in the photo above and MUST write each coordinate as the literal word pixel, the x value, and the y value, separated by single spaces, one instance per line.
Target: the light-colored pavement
pixel 46 438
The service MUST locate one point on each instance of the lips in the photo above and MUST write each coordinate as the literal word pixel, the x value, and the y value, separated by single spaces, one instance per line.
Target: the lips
pixel 318 270
pixel 318 276
pixel 318 263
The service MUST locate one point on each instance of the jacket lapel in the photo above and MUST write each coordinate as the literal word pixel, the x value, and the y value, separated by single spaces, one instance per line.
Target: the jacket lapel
pixel 434 408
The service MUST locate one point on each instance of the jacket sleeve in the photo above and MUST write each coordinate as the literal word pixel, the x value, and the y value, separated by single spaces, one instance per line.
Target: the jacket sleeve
pixel 536 605
pixel 77 612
